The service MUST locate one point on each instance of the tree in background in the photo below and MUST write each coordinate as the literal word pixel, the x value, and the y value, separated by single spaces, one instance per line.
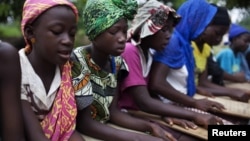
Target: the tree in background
pixel 10 10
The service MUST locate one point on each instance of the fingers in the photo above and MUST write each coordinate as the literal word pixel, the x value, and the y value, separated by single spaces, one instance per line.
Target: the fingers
pixel 168 120
pixel 192 125
pixel 214 106
pixel 217 121
pixel 185 124
pixel 243 99
pixel 210 95
pixel 170 136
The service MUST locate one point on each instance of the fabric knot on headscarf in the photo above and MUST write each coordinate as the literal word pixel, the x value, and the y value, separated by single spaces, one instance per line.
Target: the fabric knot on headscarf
pixel 129 8
pixel 152 17
pixel 100 15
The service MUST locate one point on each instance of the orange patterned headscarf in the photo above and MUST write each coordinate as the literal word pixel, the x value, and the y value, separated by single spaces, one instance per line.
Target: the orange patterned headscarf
pixel 34 8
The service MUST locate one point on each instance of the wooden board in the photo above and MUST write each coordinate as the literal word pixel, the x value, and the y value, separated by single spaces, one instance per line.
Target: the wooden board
pixel 243 86
pixel 199 132
pixel 235 108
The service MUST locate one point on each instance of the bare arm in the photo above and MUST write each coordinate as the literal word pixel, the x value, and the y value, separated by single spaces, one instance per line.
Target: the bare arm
pixel 218 90
pixel 154 106
pixel 135 123
pixel 209 86
pixel 33 129
pixel 12 121
pixel 159 85
pixel 86 125
pixel 125 120
pixel 240 77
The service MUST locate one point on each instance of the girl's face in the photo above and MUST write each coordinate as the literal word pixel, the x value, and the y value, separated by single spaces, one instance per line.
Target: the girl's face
pixel 240 43
pixel 160 39
pixel 54 32
pixel 112 41
pixel 213 34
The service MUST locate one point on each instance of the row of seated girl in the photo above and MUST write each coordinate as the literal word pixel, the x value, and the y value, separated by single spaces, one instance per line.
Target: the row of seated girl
pixel 85 93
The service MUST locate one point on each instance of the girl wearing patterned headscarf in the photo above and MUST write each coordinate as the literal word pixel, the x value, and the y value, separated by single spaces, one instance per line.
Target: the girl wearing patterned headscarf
pixel 98 69
pixel 48 102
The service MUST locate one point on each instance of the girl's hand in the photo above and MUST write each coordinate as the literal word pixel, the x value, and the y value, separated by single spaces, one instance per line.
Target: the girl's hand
pixel 240 77
pixel 206 119
pixel 240 95
pixel 208 105
pixel 161 133
pixel 204 92
pixel 181 122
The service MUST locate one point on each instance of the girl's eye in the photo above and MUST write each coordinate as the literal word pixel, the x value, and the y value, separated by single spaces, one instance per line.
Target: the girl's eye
pixel 125 30
pixel 55 32
pixel 113 31
pixel 73 32
pixel 218 33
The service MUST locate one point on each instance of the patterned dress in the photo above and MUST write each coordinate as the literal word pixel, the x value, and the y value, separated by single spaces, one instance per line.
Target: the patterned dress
pixel 90 81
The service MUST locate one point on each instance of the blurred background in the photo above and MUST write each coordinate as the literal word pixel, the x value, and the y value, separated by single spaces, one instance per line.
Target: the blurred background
pixel 11 13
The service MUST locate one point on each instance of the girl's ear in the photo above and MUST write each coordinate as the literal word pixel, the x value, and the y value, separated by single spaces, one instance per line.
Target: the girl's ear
pixel 29 32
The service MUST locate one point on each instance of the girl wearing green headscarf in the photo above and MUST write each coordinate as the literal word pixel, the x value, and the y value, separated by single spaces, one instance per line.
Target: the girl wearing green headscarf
pixel 97 70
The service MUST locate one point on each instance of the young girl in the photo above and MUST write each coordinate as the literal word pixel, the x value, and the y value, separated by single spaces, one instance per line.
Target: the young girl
pixel 11 120
pixel 134 91
pixel 97 71
pixel 47 94
pixel 232 59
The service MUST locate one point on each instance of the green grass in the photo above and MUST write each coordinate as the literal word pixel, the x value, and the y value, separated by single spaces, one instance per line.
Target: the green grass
pixel 10 30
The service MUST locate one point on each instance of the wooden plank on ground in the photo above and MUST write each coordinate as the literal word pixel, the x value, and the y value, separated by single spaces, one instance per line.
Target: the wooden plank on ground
pixel 244 86
pixel 235 108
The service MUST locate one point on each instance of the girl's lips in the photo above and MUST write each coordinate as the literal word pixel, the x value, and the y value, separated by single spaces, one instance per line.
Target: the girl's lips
pixel 121 48
pixel 64 54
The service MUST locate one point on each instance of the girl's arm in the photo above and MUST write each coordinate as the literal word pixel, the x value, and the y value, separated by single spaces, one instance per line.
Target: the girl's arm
pixel 218 90
pixel 11 116
pixel 125 120
pixel 159 85
pixel 33 129
pixel 153 106
pixel 86 125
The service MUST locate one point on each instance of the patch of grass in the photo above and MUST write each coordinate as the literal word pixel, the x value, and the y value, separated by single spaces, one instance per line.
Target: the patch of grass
pixel 10 30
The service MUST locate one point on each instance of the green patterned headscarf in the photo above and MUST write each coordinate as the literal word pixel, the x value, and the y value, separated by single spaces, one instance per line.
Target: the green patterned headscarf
pixel 99 15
